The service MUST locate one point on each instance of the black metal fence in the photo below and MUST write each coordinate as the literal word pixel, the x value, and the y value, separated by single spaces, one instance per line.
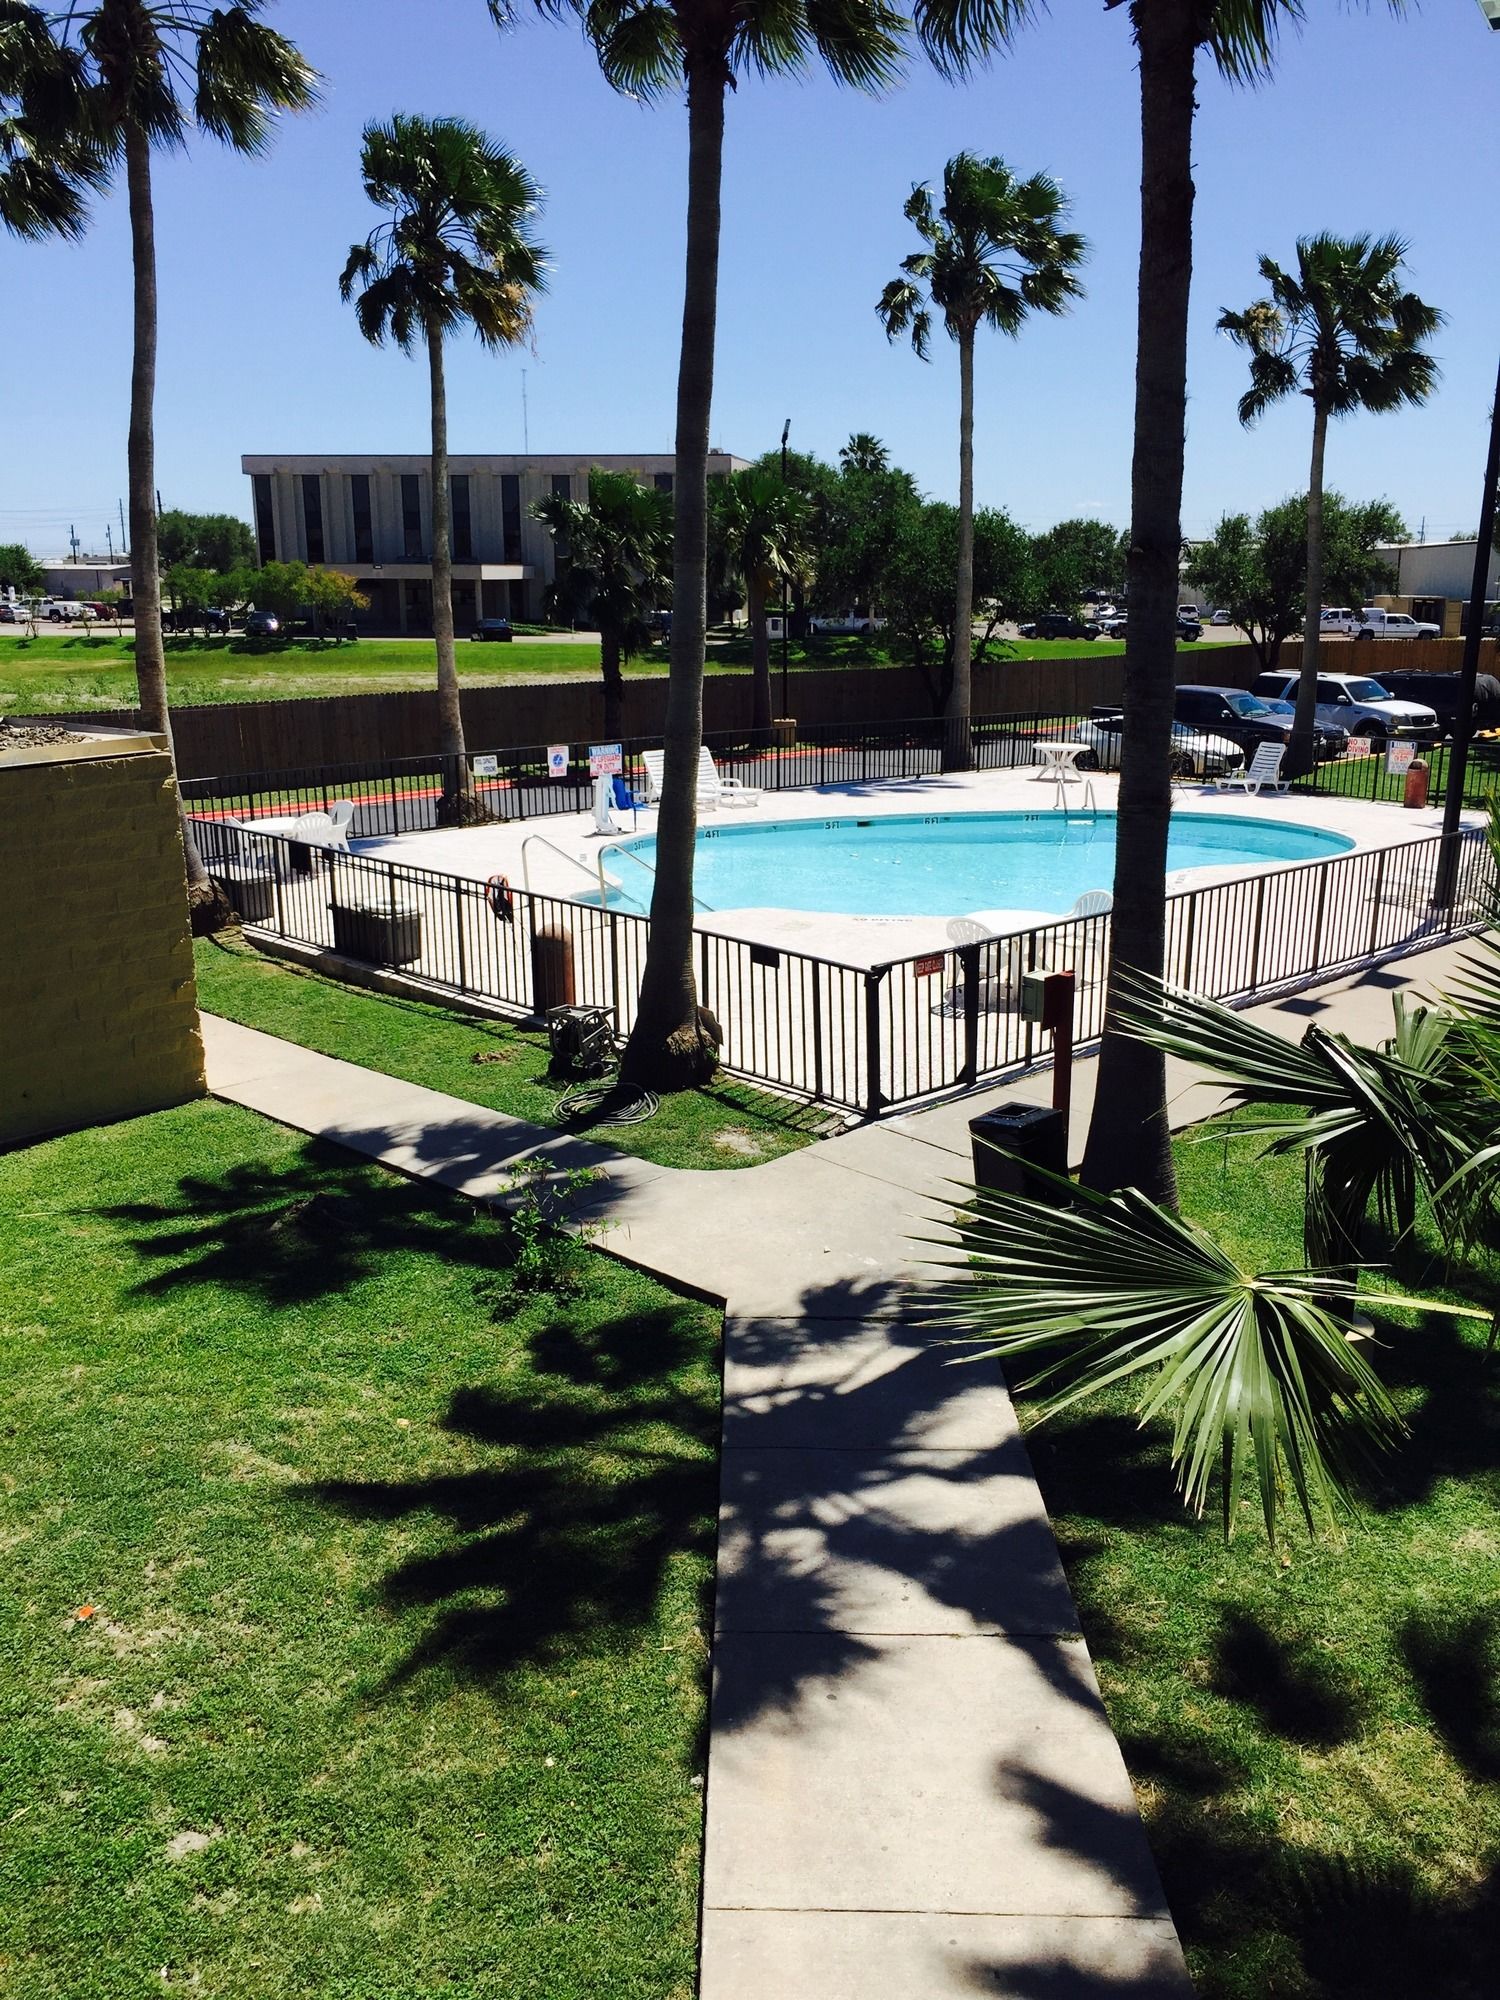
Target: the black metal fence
pixel 864 1039
pixel 403 795
pixel 1364 776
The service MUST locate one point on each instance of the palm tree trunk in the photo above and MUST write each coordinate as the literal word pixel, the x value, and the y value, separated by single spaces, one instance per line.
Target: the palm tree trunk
pixel 1299 758
pixel 956 755
pixel 206 904
pixel 670 1046
pixel 614 684
pixel 1129 1141
pixel 456 787
pixel 760 657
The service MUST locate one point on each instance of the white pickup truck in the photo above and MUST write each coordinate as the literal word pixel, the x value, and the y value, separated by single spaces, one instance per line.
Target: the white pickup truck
pixel 1375 619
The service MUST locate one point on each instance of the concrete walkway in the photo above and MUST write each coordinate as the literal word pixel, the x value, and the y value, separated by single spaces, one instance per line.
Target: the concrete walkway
pixel 913 1793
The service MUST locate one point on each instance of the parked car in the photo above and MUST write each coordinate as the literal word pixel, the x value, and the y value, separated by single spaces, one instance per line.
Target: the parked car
pixel 1247 720
pixel 1362 706
pixel 1193 750
pixel 262 625
pixel 1221 617
pixel 1338 738
pixel 492 629
pixel 12 614
pixel 1439 692
pixel 66 611
pixel 1060 625
pixel 1189 624
pixel 1374 619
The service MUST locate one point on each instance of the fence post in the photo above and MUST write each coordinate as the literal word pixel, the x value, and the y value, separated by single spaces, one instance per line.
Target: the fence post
pixel 817 1028
pixel 1375 903
pixel 873 1097
pixel 1317 950
pixel 458 911
pixel 968 957
pixel 1260 910
pixel 1185 975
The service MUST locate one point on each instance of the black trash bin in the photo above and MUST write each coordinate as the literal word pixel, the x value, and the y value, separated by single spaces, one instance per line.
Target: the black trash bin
pixel 1032 1135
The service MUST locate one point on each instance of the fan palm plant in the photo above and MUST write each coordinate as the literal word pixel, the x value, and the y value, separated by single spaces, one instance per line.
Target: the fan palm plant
pixel 456 251
pixel 1266 1385
pixel 103 86
pixel 648 48
pixel 763 528
pixel 995 253
pixel 864 453
pixel 614 569
pixel 1343 331
pixel 1384 1127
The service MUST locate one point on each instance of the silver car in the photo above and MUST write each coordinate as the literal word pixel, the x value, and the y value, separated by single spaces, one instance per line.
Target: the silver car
pixel 1194 751
pixel 1359 705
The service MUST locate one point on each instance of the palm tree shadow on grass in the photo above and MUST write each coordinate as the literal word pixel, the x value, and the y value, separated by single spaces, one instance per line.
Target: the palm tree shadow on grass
pixel 599 1474
pixel 298 1232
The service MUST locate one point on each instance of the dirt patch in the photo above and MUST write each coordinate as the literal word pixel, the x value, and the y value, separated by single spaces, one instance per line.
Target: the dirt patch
pixel 742 1144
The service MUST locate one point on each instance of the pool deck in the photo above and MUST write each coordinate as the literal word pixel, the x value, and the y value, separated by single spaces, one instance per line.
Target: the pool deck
pixel 559 856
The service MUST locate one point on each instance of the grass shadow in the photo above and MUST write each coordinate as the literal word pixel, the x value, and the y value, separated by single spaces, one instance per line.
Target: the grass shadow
pixel 1291 1687
pixel 1455 1662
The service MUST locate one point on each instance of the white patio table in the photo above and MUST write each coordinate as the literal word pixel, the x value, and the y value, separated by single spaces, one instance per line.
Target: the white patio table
pixel 1058 760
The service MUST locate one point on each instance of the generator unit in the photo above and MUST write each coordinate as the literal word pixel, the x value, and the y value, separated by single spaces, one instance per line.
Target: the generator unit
pixel 582 1040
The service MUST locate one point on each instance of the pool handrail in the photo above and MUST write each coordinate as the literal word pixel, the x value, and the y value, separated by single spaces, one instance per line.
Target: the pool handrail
pixel 572 860
pixel 611 847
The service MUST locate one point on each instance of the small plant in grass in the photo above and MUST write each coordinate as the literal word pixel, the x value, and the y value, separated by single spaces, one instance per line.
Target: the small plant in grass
pixel 547 1258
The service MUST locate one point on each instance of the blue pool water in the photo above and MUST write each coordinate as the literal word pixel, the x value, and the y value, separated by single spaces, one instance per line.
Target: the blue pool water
pixel 942 865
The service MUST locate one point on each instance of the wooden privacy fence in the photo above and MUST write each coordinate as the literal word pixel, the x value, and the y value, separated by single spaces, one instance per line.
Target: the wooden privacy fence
pixel 862 1039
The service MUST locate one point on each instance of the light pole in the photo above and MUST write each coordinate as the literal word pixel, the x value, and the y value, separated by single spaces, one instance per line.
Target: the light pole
pixel 787 613
pixel 1463 725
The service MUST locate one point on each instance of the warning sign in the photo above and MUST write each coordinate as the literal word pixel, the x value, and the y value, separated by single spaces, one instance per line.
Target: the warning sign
pixel 606 759
pixel 557 760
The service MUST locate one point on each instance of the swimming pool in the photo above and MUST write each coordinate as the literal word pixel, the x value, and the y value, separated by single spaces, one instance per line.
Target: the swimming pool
pixel 942 864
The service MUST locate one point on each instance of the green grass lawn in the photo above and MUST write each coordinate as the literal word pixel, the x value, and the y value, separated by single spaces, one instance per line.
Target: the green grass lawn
pixel 488 1062
pixel 392 1686
pixel 71 672
pixel 1367 778
pixel 1314 1734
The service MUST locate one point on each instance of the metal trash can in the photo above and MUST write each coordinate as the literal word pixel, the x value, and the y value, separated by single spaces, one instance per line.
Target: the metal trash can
pixel 551 969
pixel 1035 1135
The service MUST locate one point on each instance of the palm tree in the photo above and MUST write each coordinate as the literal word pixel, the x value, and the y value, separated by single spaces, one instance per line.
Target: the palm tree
pixel 455 251
pixel 864 453
pixel 763 528
pixel 614 569
pixel 647 48
pixel 1345 333
pixel 994 254
pixel 100 86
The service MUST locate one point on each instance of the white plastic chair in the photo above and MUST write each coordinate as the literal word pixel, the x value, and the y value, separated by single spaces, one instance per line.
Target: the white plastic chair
pixel 1093 903
pixel 318 829
pixel 1263 774
pixel 729 791
pixel 341 812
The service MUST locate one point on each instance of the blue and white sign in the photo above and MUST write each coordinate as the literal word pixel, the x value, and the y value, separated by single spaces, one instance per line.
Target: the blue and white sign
pixel 557 760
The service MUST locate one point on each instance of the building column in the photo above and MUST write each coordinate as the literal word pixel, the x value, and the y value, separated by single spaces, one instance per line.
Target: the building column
pixel 479 600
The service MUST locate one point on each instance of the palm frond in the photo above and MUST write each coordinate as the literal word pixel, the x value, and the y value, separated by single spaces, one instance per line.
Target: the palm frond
pixel 1265 1389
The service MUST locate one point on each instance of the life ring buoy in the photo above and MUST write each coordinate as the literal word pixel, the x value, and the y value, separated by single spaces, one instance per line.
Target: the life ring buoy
pixel 497 893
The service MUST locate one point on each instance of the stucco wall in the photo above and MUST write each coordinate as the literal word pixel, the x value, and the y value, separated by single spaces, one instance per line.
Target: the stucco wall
pixel 98 1008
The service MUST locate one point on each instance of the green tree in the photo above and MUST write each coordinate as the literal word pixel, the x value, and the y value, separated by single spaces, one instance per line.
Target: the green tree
pixel 20 571
pixel 995 254
pixel 856 522
pixel 916 587
pixel 1073 557
pixel 456 251
pixel 614 570
pixel 114 598
pixel 207 541
pixel 764 528
pixel 107 84
pixel 647 48
pixel 333 599
pixel 1258 570
pixel 1343 331
pixel 282 588
pixel 190 589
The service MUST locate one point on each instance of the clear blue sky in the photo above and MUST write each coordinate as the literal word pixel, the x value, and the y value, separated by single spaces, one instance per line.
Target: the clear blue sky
pixel 1370 124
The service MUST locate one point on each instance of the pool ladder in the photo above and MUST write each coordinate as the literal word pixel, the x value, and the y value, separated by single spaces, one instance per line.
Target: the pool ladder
pixel 573 861
pixel 1090 807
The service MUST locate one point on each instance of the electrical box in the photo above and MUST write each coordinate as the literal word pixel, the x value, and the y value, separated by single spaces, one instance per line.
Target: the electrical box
pixel 1034 994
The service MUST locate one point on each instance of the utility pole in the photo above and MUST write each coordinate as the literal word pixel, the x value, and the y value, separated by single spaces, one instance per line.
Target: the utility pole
pixel 1463 722
pixel 158 503
pixel 124 538
pixel 109 542
pixel 786 700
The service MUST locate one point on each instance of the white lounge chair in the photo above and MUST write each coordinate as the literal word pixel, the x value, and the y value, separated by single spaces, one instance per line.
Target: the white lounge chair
pixel 712 789
pixel 1093 903
pixel 320 829
pixel 1263 773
